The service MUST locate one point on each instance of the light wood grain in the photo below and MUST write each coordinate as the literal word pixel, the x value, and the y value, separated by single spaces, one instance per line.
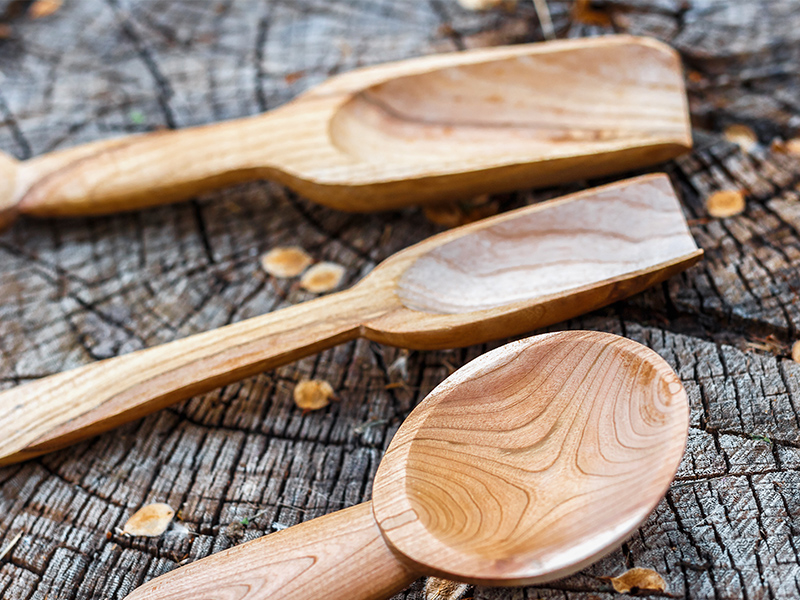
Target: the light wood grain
pixel 495 278
pixel 432 128
pixel 341 555
pixel 525 465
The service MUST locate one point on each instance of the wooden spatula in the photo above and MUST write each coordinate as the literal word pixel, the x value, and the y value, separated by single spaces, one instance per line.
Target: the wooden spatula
pixel 525 465
pixel 494 278
pixel 431 128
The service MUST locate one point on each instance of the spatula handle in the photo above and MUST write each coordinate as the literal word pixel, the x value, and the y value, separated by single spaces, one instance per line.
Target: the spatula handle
pixel 138 171
pixel 341 556
pixel 58 410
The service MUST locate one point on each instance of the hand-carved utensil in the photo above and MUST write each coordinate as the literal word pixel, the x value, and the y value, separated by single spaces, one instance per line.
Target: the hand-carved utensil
pixel 525 465
pixel 431 128
pixel 494 278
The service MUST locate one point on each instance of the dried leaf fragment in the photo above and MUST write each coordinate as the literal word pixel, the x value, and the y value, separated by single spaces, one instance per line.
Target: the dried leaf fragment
pixel 741 135
pixel 286 261
pixel 43 8
pixel 444 589
pixel 725 203
pixel 150 521
pixel 313 394
pixel 638 580
pixel 322 277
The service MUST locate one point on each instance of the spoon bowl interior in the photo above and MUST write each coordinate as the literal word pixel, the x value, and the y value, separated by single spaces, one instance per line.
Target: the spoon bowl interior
pixel 533 460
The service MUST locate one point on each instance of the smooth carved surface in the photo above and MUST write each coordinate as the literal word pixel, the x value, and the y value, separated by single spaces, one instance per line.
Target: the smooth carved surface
pixel 61 409
pixel 534 459
pixel 398 134
pixel 573 243
pixel 590 99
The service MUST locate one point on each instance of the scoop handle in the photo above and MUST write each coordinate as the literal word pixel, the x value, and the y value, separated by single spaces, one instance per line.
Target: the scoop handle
pixel 150 169
pixel 53 412
pixel 341 556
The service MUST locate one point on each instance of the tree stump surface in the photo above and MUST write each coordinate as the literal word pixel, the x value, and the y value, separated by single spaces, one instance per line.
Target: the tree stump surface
pixel 243 461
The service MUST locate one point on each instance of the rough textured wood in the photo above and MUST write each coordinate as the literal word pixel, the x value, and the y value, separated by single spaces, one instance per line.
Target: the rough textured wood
pixel 501 276
pixel 86 289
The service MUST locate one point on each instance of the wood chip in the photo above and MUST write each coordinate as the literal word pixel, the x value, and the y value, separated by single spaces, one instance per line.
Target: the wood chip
pixel 444 589
pixel 481 4
pixel 313 394
pixel 638 580
pixel 741 135
pixel 285 262
pixel 322 277
pixel 791 146
pixel 149 521
pixel 796 351
pixel 5 31
pixel 584 12
pixel 10 546
pixel 725 203
pixel 44 8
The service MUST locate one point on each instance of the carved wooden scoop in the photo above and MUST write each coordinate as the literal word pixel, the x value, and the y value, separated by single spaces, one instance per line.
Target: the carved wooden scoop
pixel 525 465
pixel 494 278
pixel 431 128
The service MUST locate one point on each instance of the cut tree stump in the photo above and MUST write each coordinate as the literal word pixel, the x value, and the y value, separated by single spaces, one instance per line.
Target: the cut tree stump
pixel 244 461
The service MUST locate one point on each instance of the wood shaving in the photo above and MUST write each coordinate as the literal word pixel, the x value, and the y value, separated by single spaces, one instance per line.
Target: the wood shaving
pixel 4 552
pixel 741 135
pixel 482 4
pixel 443 589
pixel 322 277
pixel 638 580
pixel 288 261
pixel 149 521
pixel 44 8
pixel 725 203
pixel 796 351
pixel 313 394
pixel 584 12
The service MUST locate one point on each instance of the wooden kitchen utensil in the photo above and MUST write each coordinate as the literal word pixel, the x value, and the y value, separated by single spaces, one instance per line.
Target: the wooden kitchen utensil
pixel 494 278
pixel 525 465
pixel 431 128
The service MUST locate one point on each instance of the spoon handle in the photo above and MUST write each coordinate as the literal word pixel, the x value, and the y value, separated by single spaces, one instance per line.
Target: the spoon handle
pixel 138 171
pixel 341 556
pixel 61 409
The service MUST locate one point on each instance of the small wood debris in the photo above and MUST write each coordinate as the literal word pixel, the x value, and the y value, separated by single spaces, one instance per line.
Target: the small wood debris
pixel 322 277
pixel 286 261
pixel 454 214
pixel 769 344
pixel 483 4
pixel 5 31
pixel 741 135
pixel 725 203
pixel 444 589
pixel 583 11
pixel 796 351
pixel 312 394
pixel 44 8
pixel 791 146
pixel 638 580
pixel 149 521
pixel 10 546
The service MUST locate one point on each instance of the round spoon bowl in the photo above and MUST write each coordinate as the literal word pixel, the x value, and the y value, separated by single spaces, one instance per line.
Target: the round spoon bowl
pixel 533 460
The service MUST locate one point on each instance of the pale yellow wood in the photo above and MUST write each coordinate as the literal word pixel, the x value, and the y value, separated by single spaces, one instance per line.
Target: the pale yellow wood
pixel 525 465
pixel 494 278
pixel 341 555
pixel 432 128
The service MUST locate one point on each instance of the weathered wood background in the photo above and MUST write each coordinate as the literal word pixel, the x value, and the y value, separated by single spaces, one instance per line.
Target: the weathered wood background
pixel 80 290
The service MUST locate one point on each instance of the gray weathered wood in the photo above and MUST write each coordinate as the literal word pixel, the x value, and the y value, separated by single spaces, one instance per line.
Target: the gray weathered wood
pixel 79 290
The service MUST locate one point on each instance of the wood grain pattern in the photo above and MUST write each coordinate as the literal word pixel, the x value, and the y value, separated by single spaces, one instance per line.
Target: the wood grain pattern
pixel 425 129
pixel 388 306
pixel 525 465
pixel 533 460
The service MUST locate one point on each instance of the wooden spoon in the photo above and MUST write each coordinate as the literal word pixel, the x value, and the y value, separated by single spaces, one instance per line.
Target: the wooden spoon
pixel 525 465
pixel 431 128
pixel 494 278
